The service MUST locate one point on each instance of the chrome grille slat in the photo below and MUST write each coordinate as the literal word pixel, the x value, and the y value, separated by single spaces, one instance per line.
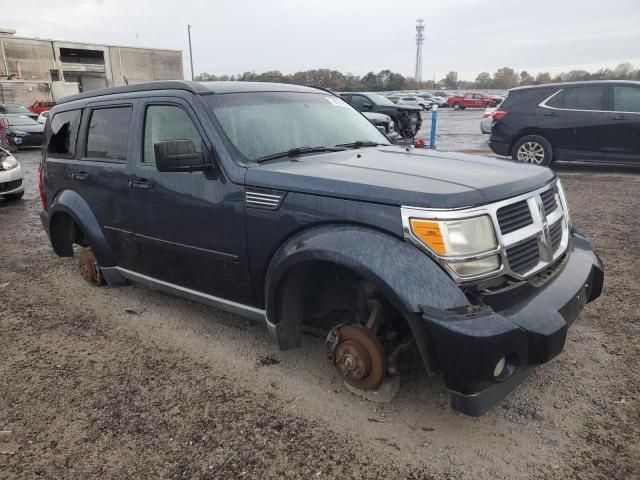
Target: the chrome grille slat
pixel 514 216
pixel 549 200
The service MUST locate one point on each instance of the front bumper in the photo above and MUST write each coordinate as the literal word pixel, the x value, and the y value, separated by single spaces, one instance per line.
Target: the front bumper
pixel 11 181
pixel 527 326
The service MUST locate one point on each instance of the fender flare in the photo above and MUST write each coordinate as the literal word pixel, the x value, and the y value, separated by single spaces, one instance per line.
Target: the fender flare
pixel 407 277
pixel 72 204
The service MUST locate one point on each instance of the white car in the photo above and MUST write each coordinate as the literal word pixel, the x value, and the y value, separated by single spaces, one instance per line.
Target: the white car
pixel 487 119
pixel 415 101
pixel 11 178
pixel 42 118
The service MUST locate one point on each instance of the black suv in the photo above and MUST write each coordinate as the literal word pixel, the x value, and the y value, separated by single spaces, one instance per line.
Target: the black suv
pixel 584 121
pixel 283 203
pixel 407 118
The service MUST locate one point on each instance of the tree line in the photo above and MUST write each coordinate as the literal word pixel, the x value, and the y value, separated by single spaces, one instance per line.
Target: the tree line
pixel 386 80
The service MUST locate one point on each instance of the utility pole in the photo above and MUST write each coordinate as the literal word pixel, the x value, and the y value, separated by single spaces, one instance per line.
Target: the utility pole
pixel 419 42
pixel 190 51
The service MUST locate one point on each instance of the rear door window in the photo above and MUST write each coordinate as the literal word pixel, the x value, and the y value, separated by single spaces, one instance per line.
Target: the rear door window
pixel 581 98
pixel 626 99
pixel 108 134
pixel 64 133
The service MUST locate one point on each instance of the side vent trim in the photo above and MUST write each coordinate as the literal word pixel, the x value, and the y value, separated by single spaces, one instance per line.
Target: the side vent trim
pixel 263 198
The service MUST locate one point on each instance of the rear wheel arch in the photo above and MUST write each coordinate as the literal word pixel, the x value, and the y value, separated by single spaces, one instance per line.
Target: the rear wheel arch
pixel 64 231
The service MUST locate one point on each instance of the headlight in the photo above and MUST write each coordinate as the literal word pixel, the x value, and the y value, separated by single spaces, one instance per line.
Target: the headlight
pixel 459 243
pixel 19 133
pixel 9 162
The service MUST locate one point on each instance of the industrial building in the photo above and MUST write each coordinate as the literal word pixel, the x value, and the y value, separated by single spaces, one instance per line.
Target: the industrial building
pixel 36 69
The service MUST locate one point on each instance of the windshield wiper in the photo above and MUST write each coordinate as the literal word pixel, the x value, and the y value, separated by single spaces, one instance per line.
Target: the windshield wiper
pixel 361 143
pixel 294 152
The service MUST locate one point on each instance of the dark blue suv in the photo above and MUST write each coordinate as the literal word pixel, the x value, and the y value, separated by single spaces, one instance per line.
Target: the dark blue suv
pixel 283 203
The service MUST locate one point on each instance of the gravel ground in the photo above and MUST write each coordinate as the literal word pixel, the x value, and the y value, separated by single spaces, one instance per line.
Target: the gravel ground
pixel 180 390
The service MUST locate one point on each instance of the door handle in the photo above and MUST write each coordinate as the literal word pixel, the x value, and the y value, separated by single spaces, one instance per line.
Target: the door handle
pixel 551 114
pixel 620 117
pixel 140 183
pixel 79 176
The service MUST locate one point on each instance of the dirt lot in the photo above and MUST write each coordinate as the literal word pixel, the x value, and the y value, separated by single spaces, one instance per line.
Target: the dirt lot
pixel 179 390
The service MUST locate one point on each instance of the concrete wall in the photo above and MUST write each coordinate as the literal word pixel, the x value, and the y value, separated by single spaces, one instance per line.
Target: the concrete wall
pixel 140 65
pixel 23 92
pixel 32 60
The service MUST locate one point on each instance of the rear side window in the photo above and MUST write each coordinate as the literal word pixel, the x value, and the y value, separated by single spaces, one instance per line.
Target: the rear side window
pixel 581 98
pixel 108 134
pixel 64 133
pixel 626 99
pixel 167 122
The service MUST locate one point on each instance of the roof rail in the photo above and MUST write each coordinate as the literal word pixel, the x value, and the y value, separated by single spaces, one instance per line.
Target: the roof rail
pixel 324 89
pixel 193 87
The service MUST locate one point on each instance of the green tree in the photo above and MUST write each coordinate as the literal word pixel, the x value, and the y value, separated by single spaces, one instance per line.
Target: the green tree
pixel 451 80
pixel 543 77
pixel 504 78
pixel 526 78
pixel 483 80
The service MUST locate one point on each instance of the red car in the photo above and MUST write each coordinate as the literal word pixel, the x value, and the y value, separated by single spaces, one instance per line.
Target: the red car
pixel 40 106
pixel 472 100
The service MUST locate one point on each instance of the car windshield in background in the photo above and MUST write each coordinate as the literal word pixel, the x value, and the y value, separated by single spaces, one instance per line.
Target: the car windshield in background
pixel 380 100
pixel 267 123
pixel 20 120
pixel 16 109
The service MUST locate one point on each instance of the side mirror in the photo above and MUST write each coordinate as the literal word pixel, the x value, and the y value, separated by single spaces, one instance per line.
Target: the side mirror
pixel 366 106
pixel 179 156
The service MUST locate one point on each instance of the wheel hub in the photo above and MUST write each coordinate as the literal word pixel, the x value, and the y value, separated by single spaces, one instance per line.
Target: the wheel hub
pixel 357 356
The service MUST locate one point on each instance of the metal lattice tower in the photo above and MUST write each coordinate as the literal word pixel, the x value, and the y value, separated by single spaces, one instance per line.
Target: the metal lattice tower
pixel 419 42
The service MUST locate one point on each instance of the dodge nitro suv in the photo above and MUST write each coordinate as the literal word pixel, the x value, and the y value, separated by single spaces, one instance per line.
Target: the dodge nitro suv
pixel 284 204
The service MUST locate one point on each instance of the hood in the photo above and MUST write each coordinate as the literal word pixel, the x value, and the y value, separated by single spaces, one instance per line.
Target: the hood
pixel 391 175
pixel 38 128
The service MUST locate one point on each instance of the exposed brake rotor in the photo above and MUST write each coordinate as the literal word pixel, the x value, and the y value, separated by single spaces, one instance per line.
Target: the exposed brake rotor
pixel 89 268
pixel 357 354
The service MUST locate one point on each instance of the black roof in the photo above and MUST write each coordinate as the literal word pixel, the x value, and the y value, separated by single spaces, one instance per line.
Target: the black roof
pixel 577 83
pixel 198 88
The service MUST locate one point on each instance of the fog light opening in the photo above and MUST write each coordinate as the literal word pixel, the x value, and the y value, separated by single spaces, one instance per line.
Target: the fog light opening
pixel 499 368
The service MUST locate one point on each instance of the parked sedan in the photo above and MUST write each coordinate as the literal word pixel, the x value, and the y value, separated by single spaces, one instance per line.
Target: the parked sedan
pixel 415 101
pixel 11 186
pixel 15 109
pixel 23 131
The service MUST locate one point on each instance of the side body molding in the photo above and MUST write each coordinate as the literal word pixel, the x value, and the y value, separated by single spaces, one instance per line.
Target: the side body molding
pixel 407 277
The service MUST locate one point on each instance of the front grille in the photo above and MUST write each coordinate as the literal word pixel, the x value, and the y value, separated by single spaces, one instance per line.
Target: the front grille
pixel 6 186
pixel 549 201
pixel 524 256
pixel 514 216
pixel 555 232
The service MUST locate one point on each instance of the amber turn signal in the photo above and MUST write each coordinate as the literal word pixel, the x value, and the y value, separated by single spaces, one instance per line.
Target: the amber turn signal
pixel 430 234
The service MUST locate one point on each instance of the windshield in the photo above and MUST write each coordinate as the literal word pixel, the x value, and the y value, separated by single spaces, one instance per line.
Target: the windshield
pixel 21 120
pixel 266 123
pixel 380 100
pixel 16 109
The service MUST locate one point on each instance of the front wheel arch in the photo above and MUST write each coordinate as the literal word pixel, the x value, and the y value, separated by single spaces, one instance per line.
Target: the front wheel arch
pixel 406 277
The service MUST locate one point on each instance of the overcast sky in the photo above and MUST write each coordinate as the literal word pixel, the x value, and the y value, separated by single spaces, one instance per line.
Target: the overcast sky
pixel 469 36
